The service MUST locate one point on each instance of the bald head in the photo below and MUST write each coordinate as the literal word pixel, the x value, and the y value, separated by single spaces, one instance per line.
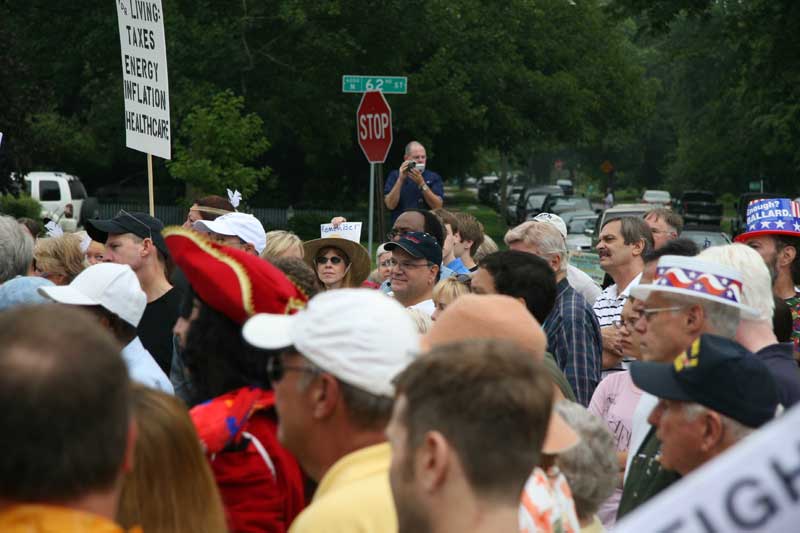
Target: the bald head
pixel 488 317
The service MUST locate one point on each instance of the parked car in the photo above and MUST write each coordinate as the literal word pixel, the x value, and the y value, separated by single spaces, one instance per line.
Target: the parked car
pixel 569 215
pixel 577 239
pixel 566 186
pixel 706 237
pixel 700 207
pixel 487 186
pixel 55 190
pixel 511 208
pixel 738 224
pixel 659 198
pixel 532 200
pixel 564 204
pixel 619 210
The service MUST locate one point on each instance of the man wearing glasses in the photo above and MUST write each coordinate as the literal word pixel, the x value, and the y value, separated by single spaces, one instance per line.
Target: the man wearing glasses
pixel 333 387
pixel 134 239
pixel 687 298
pixel 417 262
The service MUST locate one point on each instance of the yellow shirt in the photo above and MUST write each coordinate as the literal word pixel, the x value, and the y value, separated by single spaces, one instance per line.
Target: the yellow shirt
pixel 34 518
pixel 354 496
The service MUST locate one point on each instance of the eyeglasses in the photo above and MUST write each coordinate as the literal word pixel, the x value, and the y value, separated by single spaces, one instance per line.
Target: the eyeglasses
pixel 277 368
pixel 627 323
pixel 389 263
pixel 324 260
pixel 647 313
pixel 122 212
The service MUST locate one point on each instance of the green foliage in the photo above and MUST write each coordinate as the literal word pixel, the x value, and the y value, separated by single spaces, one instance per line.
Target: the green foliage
pixel 23 206
pixel 215 145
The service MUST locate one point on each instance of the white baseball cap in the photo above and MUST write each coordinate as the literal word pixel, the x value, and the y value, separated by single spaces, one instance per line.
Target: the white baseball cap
pixel 112 286
pixel 553 220
pixel 360 336
pixel 242 225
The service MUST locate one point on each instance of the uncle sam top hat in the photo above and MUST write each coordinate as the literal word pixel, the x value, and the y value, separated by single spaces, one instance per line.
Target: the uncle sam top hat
pixel 771 216
pixel 693 277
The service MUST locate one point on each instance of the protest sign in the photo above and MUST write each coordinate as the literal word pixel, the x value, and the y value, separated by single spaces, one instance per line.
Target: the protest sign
pixel 589 263
pixel 754 486
pixel 346 230
pixel 144 76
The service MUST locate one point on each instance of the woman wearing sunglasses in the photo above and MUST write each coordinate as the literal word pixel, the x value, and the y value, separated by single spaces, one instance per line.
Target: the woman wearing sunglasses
pixel 339 263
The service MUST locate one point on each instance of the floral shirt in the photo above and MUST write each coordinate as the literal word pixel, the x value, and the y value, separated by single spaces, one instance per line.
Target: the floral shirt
pixel 794 304
pixel 547 505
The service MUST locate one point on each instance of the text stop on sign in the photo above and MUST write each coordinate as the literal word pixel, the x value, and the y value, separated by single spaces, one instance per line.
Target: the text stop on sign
pixel 374 125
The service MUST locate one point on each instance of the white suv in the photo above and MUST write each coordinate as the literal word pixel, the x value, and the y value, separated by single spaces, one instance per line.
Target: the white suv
pixel 55 190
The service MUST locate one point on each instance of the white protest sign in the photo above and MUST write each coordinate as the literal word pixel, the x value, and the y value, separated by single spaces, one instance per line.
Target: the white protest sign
pixel 754 486
pixel 346 230
pixel 144 76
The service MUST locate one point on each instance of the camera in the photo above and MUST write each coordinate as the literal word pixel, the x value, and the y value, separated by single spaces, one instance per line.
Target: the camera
pixel 419 166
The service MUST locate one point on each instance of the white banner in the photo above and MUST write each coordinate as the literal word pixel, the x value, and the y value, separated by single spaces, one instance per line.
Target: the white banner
pixel 144 76
pixel 754 486
pixel 346 230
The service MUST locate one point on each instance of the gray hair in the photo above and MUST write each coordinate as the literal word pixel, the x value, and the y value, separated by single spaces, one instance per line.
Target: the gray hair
pixel 723 319
pixel 16 249
pixel 736 430
pixel 366 410
pixel 549 241
pixel 591 466
pixel 411 145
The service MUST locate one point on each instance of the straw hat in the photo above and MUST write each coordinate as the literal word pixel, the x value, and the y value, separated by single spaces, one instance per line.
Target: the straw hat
pixel 358 256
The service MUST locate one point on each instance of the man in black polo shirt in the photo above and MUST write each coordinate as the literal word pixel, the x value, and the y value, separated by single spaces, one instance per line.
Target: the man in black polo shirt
pixel 135 239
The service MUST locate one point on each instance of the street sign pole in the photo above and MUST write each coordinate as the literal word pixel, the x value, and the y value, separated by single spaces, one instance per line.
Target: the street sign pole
pixel 371 204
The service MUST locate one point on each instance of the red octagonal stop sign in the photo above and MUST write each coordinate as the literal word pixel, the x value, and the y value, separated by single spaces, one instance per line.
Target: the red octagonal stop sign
pixel 374 126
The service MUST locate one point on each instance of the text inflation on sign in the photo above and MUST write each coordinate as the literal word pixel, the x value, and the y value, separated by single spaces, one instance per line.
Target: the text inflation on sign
pixel 145 85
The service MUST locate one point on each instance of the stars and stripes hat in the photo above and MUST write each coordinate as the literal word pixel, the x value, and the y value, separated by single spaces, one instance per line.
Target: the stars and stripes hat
pixel 693 277
pixel 771 216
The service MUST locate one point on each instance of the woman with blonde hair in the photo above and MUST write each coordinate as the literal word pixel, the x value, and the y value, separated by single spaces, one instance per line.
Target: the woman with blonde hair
pixel 171 488
pixel 447 290
pixel 282 243
pixel 59 259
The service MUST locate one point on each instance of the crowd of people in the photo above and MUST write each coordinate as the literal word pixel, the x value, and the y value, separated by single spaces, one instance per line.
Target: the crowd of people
pixel 218 377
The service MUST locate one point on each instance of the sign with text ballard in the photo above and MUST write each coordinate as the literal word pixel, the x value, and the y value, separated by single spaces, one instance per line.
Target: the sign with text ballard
pixel 145 82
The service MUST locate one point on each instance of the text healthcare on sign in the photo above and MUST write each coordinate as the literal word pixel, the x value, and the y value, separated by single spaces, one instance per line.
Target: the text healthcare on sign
pixel 144 76
pixel 754 486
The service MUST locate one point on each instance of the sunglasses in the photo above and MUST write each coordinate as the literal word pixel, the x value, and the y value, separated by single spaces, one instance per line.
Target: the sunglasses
pixel 277 369
pixel 324 260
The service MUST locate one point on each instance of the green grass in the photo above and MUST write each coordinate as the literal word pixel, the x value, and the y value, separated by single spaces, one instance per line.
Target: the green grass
pixel 467 201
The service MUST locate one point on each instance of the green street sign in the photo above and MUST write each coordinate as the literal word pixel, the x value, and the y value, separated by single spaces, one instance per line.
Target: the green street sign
pixel 385 84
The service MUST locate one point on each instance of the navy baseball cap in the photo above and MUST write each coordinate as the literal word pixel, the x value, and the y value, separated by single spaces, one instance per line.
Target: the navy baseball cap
pixel 420 245
pixel 140 224
pixel 717 373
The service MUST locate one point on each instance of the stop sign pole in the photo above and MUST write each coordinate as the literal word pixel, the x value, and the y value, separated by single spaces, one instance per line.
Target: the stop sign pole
pixel 374 128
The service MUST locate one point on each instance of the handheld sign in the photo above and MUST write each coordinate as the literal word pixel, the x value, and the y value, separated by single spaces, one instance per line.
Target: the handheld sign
pixel 754 486
pixel 144 76
pixel 346 230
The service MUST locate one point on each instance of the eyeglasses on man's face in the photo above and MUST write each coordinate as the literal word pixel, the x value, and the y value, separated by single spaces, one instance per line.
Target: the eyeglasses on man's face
pixel 649 313
pixel 277 369
pixel 410 265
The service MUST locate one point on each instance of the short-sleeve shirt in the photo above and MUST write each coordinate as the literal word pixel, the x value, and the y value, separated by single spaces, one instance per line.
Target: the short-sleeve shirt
pixel 155 327
pixel 608 306
pixel 411 197
pixel 547 505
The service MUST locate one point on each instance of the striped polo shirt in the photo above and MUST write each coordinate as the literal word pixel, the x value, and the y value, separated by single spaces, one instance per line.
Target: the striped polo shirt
pixel 608 306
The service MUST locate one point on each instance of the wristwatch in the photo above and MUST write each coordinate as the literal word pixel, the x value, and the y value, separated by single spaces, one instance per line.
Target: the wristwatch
pixel 424 187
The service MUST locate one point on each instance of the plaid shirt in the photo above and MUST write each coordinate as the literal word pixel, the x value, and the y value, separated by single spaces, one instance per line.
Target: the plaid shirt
pixel 573 337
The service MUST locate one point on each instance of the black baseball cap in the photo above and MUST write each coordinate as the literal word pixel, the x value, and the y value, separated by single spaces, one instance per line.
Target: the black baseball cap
pixel 717 373
pixel 420 245
pixel 140 224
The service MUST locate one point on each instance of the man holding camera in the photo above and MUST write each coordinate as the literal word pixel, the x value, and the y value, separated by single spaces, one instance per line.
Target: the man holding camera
pixel 413 186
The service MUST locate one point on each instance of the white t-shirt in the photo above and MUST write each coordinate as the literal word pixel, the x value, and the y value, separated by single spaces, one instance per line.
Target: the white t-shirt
pixel 583 283
pixel 426 306
pixel 608 306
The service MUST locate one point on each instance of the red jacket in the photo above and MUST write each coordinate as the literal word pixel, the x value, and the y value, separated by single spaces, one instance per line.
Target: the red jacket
pixel 260 482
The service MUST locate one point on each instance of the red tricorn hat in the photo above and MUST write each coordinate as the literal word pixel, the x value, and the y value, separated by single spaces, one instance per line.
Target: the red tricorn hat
pixel 231 281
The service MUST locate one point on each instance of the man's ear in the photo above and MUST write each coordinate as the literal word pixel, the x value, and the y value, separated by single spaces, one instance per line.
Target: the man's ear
pixel 713 431
pixel 130 447
pixel 325 394
pixel 433 461
pixel 638 248
pixel 788 255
